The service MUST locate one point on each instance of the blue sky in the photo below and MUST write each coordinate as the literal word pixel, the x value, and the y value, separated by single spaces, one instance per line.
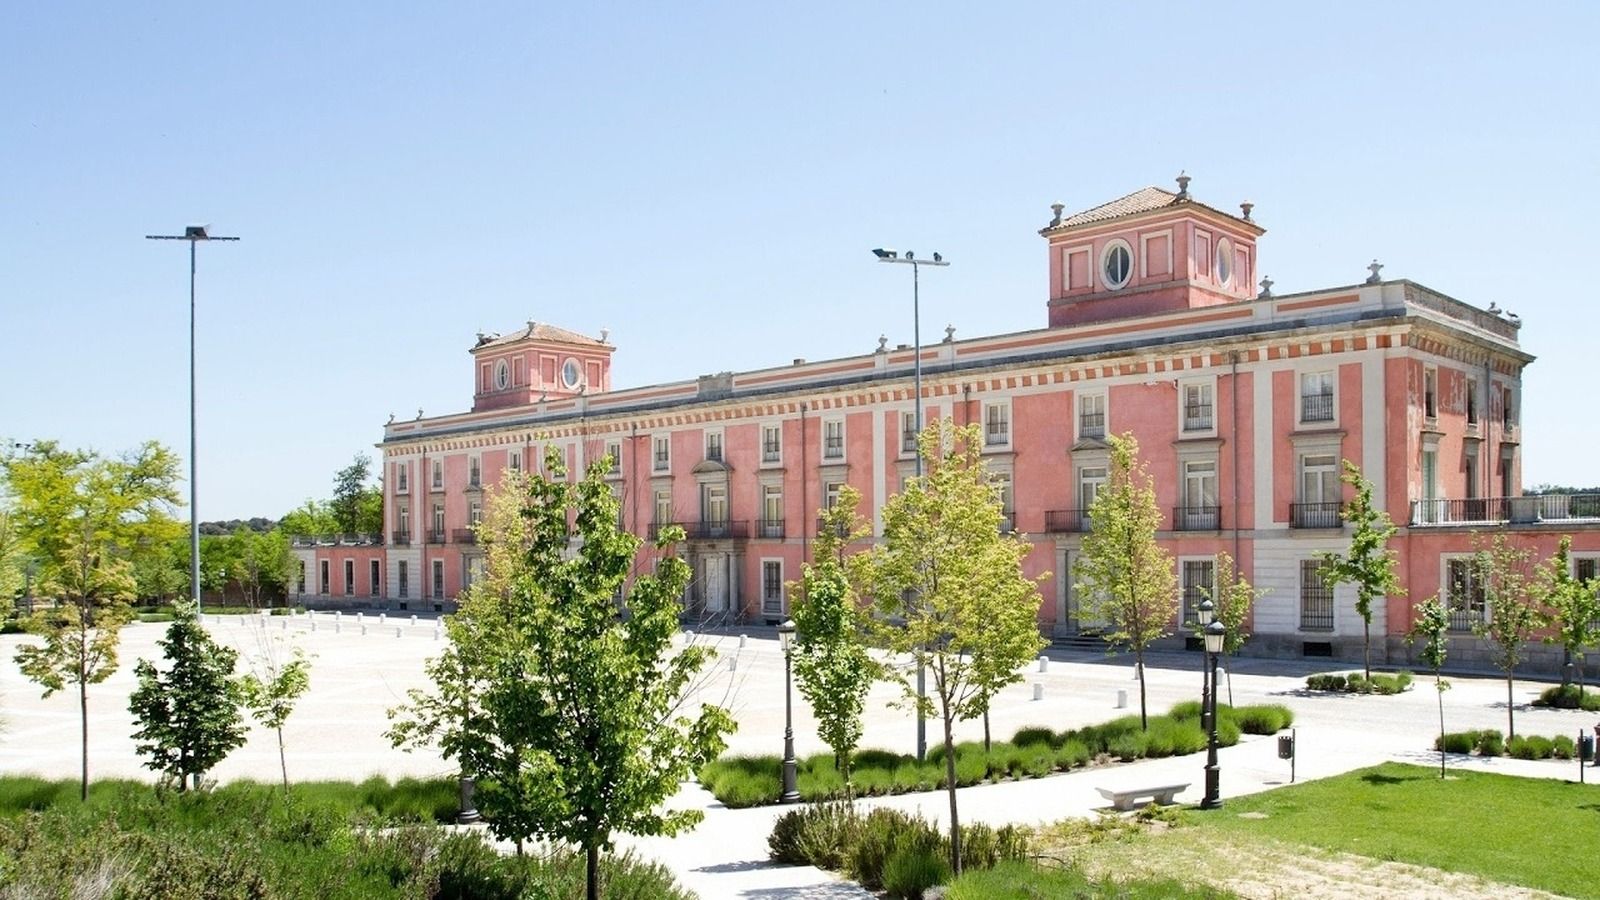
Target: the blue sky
pixel 706 180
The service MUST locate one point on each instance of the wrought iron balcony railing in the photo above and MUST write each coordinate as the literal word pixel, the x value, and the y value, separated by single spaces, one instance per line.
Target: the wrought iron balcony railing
pixel 717 530
pixel 1315 515
pixel 1525 510
pixel 401 538
pixel 464 536
pixel 1316 408
pixel 1058 521
pixel 1197 518
pixel 771 528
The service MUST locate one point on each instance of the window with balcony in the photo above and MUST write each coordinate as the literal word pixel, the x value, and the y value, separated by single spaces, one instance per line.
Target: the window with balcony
pixel 663 453
pixel 1430 393
pixel 772 587
pixel 772 511
pixel 1090 481
pixel 474 472
pixel 438 475
pixel 1508 415
pixel 515 460
pixel 474 513
pixel 830 493
pixel 714 504
pixel 1199 576
pixel 771 444
pixel 438 579
pixel 997 424
pixel 1464 593
pixel 1199 511
pixel 614 453
pixel 833 440
pixel 1008 511
pixel 403 580
pixel 323 580
pixel 373 581
pixel 402 521
pixel 1091 416
pixel 714 446
pixel 1316 397
pixel 436 532
pixel 1472 401
pixel 1320 489
pixel 300 579
pixel 908 433
pixel 663 510
pixel 400 480
pixel 1316 597
pixel 1197 407
pixel 350 578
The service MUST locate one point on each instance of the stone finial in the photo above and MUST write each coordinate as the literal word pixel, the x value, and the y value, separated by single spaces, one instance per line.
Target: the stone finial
pixel 1375 268
pixel 949 333
pixel 1183 186
pixel 419 413
pixel 532 324
pixel 883 344
pixel 391 419
pixel 1056 209
pixel 605 334
pixel 1245 208
pixel 1266 288
pixel 1514 319
pixel 1494 308
pixel 481 336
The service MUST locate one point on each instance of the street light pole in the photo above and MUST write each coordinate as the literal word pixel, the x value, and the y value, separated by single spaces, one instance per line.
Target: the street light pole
pixel 910 258
pixel 1215 633
pixel 791 791
pixel 193 234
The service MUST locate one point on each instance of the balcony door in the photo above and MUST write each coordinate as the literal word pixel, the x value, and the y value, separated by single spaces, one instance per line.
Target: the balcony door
pixel 1319 492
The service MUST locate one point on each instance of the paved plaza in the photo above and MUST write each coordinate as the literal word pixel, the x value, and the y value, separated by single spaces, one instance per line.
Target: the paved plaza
pixel 337 731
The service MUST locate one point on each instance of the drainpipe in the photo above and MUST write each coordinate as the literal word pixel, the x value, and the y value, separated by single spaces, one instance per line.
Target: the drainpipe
pixel 966 404
pixel 633 447
pixel 1233 387
pixel 805 487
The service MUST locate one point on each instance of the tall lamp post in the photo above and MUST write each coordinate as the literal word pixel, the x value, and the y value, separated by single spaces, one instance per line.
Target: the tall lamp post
pixel 1215 633
pixel 910 259
pixel 194 234
pixel 791 791
pixel 1203 614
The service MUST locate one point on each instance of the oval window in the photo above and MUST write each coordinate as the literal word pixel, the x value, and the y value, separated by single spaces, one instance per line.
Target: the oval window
pixel 571 374
pixel 502 375
pixel 1224 262
pixel 1116 264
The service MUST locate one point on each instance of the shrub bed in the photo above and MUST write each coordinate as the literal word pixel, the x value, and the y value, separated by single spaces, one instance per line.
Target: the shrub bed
pixel 885 849
pixel 1566 696
pixel 1357 683
pixel 1033 752
pixel 1491 743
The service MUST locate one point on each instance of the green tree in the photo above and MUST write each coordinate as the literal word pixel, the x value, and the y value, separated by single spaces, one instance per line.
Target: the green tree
pixel 576 708
pixel 261 564
pixel 357 506
pixel 831 662
pixel 1430 624
pixel 1124 576
pixel 162 572
pixel 310 519
pixel 1232 599
pixel 81 517
pixel 188 715
pixel 948 573
pixel 1370 564
pixel 1574 607
pixel 273 689
pixel 12 561
pixel 1503 572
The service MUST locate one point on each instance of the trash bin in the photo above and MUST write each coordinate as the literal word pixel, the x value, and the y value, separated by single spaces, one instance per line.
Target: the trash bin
pixel 1585 747
pixel 1285 746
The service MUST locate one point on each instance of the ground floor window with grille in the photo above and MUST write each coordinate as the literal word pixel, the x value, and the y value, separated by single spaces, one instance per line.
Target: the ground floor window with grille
pixel 1198 577
pixel 772 587
pixel 300 581
pixel 323 581
pixel 350 577
pixel 374 582
pixel 1316 597
pixel 1464 593
pixel 438 579
pixel 405 580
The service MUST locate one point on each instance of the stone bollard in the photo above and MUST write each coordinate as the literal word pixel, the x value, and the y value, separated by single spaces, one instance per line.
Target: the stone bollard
pixel 413 620
pixel 358 618
pixel 1122 698
pixel 363 629
pixel 284 625
pixel 398 631
pixel 383 618
pixel 1038 691
pixel 338 626
pixel 733 663
pixel 436 632
pixel 313 624
pixel 741 641
pixel 1044 663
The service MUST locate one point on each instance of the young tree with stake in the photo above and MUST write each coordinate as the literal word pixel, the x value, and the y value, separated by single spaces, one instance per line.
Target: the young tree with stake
pixel 1370 564
pixel 1431 626
pixel 1511 616
pixel 188 715
pixel 1574 607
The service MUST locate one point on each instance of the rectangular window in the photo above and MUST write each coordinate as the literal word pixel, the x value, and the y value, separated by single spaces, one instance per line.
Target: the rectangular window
pixel 1472 401
pixel 1200 512
pixel 771 443
pixel 1464 594
pixel 438 475
pixel 614 453
pixel 1316 397
pixel 663 507
pixel 324 578
pixel 1319 492
pixel 1198 576
pixel 474 472
pixel 471 571
pixel 375 581
pixel 997 424
pixel 400 478
pixel 663 453
pixel 1430 393
pixel 1090 480
pixel 1508 409
pixel 438 579
pixel 438 519
pixel 1002 484
pixel 404 588
pixel 1091 415
pixel 714 446
pixel 1197 413
pixel 908 432
pixel 714 504
pixel 349 578
pixel 830 493
pixel 300 579
pixel 772 511
pixel 516 460
pixel 772 587
pixel 833 439
pixel 1316 597
pixel 474 513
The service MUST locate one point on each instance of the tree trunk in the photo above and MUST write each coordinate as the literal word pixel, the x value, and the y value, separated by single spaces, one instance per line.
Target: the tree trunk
pixel 1138 665
pixel 83 715
pixel 283 765
pixel 1511 714
pixel 950 782
pixel 1227 669
pixel 1438 690
pixel 1366 647
pixel 986 731
pixel 593 852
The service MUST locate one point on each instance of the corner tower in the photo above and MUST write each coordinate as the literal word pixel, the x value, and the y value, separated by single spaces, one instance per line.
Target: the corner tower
pixel 539 362
pixel 1152 251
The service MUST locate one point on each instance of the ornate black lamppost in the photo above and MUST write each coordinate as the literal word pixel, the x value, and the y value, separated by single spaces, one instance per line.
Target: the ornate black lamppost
pixel 791 793
pixel 1215 633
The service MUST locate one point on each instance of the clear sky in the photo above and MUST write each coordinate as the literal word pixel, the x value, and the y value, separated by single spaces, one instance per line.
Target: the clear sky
pixel 706 180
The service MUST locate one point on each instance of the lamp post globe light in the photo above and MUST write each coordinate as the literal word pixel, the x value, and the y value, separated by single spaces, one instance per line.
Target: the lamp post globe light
pixel 1215 634
pixel 791 791
pixel 194 234
pixel 887 255
pixel 1203 614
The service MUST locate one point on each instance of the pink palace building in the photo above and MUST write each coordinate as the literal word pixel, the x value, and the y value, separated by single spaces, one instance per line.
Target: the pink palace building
pixel 1243 401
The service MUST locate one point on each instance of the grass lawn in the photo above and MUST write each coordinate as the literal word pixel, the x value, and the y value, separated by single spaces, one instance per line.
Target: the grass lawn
pixel 1027 881
pixel 1535 832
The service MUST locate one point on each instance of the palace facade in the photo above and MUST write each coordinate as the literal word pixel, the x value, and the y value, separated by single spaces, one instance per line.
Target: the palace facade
pixel 1244 403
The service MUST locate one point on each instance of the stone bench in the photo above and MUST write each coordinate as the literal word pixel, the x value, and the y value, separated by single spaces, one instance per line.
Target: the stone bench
pixel 1129 798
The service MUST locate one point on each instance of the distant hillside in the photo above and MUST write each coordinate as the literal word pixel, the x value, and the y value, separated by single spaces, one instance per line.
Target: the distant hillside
pixel 256 523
